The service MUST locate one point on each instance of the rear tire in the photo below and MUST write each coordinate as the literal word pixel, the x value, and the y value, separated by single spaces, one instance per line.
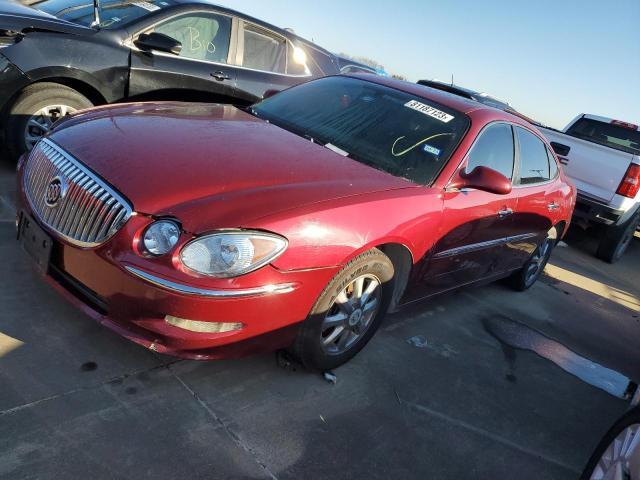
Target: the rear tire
pixel 341 323
pixel 528 275
pixel 35 110
pixel 616 239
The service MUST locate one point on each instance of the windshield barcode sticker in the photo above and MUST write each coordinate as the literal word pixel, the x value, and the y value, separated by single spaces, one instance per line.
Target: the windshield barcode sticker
pixel 427 110
pixel 147 6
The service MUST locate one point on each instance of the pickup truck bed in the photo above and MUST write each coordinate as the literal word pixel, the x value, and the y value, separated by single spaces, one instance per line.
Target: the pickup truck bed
pixel 602 157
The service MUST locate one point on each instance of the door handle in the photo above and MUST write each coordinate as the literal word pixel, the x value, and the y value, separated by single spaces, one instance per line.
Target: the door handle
pixel 505 212
pixel 220 76
pixel 553 206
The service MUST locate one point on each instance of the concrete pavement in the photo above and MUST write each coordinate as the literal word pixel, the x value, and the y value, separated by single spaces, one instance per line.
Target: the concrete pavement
pixel 436 394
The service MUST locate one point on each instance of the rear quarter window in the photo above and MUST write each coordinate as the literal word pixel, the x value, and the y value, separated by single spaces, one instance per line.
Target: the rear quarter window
pixel 534 163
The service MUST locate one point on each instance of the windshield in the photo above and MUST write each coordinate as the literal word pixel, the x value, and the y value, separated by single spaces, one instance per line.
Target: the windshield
pixel 393 131
pixel 113 14
pixel 607 134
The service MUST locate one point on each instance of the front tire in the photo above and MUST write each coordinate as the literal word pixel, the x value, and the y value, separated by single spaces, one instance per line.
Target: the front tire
pixel 347 313
pixel 617 456
pixel 617 239
pixel 34 112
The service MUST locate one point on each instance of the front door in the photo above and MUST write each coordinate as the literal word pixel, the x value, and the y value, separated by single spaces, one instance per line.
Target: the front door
pixel 476 226
pixel 200 73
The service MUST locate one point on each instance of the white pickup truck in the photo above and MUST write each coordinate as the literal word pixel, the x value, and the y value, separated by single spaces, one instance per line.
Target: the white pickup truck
pixel 602 158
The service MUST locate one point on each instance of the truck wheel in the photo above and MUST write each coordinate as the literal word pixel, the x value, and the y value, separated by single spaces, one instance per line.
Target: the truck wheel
pixel 35 110
pixel 616 240
pixel 347 313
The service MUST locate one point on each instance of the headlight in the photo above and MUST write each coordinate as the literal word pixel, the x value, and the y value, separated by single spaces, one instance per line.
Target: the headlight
pixel 160 237
pixel 230 254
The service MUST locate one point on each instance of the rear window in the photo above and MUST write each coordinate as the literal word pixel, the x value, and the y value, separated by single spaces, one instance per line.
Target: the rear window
pixel 113 13
pixel 607 134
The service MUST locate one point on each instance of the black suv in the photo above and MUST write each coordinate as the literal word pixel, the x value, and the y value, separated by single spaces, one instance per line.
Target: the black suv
pixel 59 56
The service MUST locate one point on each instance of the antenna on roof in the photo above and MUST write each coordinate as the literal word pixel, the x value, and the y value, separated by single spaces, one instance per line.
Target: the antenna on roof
pixel 452 79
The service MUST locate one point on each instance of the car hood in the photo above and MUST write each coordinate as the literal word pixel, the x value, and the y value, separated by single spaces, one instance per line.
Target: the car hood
pixel 212 166
pixel 17 17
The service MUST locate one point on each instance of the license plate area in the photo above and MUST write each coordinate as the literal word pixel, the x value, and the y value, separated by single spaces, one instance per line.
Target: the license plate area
pixel 35 241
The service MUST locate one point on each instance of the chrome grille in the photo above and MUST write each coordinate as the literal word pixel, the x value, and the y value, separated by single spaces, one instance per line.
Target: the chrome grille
pixel 88 212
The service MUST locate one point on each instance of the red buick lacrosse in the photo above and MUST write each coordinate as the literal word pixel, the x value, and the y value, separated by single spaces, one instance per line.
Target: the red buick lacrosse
pixel 210 231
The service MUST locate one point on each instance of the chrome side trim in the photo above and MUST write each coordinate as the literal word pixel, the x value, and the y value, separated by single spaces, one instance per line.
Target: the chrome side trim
pixel 202 292
pixel 482 245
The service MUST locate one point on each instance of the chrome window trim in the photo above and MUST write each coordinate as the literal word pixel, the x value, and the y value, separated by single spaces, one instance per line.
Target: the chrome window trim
pixel 203 292
pixel 482 245
pixel 95 178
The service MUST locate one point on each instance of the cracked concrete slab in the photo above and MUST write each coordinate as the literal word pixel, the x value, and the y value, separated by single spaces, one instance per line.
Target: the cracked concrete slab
pixel 433 396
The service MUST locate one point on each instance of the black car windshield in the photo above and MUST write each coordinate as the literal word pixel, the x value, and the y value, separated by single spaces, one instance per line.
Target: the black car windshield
pixel 113 13
pixel 388 129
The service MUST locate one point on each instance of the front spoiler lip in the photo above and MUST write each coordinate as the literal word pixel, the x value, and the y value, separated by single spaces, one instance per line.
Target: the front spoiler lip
pixel 211 293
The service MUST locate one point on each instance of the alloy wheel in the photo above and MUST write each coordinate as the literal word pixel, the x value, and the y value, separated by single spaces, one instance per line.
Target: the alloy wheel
pixel 351 314
pixel 538 261
pixel 617 460
pixel 40 122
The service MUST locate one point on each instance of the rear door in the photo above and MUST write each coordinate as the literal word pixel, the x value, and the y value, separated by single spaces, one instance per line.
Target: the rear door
pixel 200 73
pixel 539 196
pixel 266 61
pixel 476 225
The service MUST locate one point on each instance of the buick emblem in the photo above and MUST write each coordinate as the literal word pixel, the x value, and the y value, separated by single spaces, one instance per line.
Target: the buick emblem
pixel 55 191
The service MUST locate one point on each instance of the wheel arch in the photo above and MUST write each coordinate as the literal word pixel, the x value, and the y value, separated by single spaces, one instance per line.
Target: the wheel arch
pixel 402 258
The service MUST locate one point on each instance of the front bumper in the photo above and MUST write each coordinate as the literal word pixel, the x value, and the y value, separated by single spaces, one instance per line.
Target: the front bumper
pixel 123 292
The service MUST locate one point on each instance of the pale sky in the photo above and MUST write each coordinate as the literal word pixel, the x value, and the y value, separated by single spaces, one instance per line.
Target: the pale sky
pixel 551 60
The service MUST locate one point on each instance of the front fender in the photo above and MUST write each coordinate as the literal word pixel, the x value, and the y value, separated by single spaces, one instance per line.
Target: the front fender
pixel 337 232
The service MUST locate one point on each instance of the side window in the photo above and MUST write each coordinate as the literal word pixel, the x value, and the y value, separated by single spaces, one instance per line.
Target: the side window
pixel 553 166
pixel 296 61
pixel 534 164
pixel 264 50
pixel 493 149
pixel 203 36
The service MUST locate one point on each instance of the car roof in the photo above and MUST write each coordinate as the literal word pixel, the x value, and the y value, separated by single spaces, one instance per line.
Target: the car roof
pixel 447 99
pixel 453 101
pixel 466 92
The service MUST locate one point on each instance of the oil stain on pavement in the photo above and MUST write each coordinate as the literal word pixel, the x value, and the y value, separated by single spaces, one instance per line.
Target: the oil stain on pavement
pixel 514 336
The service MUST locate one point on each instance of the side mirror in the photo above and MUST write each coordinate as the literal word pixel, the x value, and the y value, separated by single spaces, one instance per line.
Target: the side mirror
pixel 560 149
pixel 270 93
pixel 482 178
pixel 158 42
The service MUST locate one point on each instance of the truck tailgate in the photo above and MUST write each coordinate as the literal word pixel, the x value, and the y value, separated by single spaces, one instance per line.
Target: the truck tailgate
pixel 595 169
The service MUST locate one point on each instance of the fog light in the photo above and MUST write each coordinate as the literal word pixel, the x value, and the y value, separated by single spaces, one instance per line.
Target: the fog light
pixel 202 327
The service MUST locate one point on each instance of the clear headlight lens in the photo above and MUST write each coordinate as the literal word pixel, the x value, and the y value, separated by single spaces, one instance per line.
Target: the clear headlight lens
pixel 230 254
pixel 160 237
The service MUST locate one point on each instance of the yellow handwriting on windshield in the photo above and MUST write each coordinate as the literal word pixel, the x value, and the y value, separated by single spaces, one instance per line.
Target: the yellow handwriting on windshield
pixel 407 150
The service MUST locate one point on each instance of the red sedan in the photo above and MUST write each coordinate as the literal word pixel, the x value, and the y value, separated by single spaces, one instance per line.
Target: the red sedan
pixel 208 231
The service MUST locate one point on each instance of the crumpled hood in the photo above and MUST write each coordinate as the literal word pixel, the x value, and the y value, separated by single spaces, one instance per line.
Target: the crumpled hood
pixel 212 166
pixel 17 17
